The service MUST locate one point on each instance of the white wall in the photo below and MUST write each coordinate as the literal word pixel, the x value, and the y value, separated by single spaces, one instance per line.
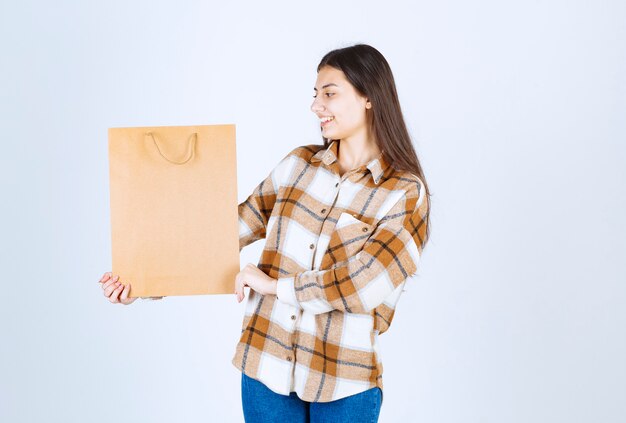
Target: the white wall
pixel 518 114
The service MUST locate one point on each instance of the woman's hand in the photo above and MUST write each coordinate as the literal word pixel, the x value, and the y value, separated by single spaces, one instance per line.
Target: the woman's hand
pixel 254 277
pixel 113 288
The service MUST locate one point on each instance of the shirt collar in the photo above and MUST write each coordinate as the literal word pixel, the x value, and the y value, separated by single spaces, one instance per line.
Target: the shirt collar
pixel 328 155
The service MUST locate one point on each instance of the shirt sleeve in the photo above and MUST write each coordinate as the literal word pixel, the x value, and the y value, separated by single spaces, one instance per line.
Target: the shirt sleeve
pixel 365 280
pixel 255 211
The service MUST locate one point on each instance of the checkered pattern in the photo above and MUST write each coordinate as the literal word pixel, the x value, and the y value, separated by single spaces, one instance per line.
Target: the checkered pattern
pixel 341 248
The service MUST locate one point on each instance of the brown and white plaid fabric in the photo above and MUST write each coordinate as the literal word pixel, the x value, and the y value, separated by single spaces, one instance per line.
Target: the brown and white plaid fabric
pixel 341 248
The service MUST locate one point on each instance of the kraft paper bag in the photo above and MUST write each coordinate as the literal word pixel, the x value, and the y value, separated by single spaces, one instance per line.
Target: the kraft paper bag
pixel 174 218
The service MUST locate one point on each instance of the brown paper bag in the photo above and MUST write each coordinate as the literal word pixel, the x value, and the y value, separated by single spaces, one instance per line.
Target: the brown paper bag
pixel 174 219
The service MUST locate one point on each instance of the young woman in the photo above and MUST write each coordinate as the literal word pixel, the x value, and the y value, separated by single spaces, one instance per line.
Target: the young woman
pixel 344 225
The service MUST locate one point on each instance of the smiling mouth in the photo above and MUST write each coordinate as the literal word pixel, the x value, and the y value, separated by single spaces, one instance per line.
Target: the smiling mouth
pixel 325 123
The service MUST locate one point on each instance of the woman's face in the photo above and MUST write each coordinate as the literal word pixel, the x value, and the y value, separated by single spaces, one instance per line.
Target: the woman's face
pixel 336 98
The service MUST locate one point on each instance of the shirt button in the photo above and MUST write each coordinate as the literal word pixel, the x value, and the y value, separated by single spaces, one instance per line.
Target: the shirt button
pixel 311 246
pixel 337 184
pixel 288 358
pixel 323 210
pixel 364 229
pixel 293 317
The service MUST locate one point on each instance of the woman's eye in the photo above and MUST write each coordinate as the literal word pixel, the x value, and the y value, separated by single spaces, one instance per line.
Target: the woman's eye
pixel 328 94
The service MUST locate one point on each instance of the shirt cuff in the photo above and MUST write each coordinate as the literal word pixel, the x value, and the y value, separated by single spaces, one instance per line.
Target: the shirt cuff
pixel 286 292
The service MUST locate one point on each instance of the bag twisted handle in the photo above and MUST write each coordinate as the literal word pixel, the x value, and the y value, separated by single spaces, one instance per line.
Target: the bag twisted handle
pixel 191 154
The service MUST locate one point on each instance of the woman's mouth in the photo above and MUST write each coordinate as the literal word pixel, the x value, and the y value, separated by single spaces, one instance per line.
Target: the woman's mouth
pixel 326 120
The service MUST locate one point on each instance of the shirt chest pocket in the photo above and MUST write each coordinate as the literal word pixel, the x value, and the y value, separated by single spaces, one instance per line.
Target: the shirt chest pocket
pixel 347 240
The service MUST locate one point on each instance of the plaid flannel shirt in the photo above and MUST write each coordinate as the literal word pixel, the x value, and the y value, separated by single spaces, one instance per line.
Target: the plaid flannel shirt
pixel 341 248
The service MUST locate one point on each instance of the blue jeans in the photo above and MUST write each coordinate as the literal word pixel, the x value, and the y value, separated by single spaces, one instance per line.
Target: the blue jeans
pixel 261 404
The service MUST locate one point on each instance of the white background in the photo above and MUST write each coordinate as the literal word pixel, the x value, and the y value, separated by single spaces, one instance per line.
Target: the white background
pixel 517 110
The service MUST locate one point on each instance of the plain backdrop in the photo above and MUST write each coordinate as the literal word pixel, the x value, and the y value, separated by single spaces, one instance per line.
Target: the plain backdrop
pixel 517 110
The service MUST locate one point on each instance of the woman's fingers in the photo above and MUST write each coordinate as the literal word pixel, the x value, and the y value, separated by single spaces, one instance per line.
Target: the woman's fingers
pixel 124 297
pixel 110 286
pixel 105 277
pixel 242 292
pixel 239 285
pixel 110 291
pixel 110 282
pixel 115 294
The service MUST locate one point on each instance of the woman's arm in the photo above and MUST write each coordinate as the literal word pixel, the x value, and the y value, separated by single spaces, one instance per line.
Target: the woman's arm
pixel 255 211
pixel 363 282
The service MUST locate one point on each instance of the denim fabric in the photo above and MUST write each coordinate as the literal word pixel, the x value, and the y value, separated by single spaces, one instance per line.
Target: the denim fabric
pixel 262 405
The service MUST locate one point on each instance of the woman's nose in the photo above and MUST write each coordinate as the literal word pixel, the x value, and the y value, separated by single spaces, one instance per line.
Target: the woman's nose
pixel 316 107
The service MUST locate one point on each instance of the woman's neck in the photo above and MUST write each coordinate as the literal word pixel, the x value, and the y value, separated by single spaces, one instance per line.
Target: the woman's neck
pixel 354 153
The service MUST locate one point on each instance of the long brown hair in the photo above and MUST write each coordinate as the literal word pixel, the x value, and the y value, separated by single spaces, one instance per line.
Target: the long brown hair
pixel 370 74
